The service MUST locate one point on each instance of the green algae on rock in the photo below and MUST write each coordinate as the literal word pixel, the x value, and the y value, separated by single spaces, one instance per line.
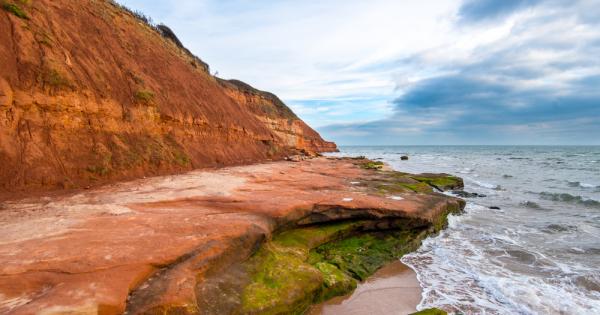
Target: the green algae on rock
pixel 312 264
pixel 403 186
pixel 361 255
pixel 430 311
pixel 441 182
pixel 283 280
pixel 335 282
pixel 398 182
pixel 372 165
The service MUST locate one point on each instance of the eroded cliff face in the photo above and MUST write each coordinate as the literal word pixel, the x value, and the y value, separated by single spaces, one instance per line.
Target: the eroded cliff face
pixel 270 110
pixel 89 94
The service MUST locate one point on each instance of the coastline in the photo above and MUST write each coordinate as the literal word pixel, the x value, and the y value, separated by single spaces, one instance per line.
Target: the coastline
pixel 181 243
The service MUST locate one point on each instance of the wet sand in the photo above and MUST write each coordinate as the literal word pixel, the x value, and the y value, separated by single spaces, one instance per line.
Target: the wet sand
pixel 392 290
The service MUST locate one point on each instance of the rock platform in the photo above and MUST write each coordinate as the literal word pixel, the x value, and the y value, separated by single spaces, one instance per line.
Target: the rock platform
pixel 150 246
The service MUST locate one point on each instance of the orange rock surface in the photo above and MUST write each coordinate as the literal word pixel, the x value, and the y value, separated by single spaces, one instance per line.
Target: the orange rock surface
pixel 90 94
pixel 148 244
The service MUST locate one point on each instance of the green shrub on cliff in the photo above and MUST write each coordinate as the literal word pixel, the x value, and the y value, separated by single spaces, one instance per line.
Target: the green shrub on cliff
pixel 55 79
pixel 144 96
pixel 15 9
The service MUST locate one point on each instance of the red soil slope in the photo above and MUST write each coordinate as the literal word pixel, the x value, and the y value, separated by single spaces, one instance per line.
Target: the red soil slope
pixel 89 94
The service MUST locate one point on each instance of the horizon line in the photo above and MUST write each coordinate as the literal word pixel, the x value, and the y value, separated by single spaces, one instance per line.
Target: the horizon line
pixel 468 145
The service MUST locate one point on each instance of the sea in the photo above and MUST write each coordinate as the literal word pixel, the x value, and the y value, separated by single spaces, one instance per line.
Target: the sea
pixel 529 244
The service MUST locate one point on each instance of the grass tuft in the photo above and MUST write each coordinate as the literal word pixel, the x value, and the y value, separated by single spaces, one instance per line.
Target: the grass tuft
pixel 55 79
pixel 98 170
pixel 15 9
pixel 144 96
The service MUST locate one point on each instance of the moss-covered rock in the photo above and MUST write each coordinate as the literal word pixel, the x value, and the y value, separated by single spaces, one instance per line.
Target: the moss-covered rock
pixel 308 265
pixel 312 236
pixel 441 221
pixel 441 182
pixel 402 187
pixel 430 311
pixel 282 283
pixel 287 279
pixel 312 264
pixel 372 165
pixel 335 282
pixel 391 182
pixel 363 254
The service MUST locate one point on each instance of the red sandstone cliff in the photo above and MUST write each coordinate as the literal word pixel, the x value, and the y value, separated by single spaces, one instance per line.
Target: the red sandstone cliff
pixel 89 93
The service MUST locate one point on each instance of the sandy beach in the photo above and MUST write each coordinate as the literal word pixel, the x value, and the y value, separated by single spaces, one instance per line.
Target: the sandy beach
pixel 394 289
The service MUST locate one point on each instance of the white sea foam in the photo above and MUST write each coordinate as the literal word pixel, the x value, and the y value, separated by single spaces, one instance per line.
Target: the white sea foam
pixel 483 184
pixel 458 274
pixel 466 170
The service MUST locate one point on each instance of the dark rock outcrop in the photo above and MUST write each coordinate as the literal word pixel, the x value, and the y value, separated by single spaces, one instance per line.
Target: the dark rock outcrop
pixel 466 194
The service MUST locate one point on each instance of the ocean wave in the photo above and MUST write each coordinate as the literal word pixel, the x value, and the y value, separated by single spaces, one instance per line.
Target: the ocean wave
pixel 531 205
pixel 537 257
pixel 459 276
pixel 559 228
pixel 589 282
pixel 485 185
pixel 466 170
pixel 568 198
pixel 582 185
pixel 586 251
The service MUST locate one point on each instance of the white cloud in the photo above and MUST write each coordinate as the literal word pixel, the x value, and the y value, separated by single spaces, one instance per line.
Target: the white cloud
pixel 309 49
pixel 345 61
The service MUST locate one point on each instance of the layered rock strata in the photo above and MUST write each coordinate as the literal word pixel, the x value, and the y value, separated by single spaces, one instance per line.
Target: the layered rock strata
pixel 268 238
pixel 91 93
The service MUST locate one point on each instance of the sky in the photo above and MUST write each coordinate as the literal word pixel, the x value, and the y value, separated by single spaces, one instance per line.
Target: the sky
pixel 400 72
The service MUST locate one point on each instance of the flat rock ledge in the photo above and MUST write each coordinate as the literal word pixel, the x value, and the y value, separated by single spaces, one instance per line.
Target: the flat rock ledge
pixel 260 239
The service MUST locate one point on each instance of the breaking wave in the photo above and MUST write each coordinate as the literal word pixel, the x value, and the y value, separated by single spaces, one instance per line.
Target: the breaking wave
pixel 582 185
pixel 568 198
